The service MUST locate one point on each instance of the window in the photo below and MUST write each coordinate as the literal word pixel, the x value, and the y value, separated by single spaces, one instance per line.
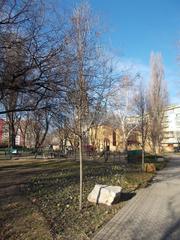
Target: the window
pixel 178 120
pixel 168 134
pixel 114 138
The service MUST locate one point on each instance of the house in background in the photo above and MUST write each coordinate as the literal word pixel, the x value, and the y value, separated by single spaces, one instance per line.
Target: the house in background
pixel 107 137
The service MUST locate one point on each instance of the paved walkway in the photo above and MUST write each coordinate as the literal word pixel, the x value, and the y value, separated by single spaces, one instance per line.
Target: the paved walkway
pixel 153 214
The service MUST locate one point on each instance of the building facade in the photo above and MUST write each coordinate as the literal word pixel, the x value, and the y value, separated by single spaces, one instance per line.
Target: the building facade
pixel 171 124
pixel 105 135
pixel 20 139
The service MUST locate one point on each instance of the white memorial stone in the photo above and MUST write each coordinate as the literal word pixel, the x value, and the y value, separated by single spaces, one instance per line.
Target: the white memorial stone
pixel 104 194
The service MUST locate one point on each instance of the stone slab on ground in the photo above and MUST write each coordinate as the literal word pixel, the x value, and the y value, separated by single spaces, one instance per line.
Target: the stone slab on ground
pixel 104 194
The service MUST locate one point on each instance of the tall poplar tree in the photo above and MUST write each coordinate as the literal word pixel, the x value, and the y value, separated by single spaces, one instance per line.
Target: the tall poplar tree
pixel 157 101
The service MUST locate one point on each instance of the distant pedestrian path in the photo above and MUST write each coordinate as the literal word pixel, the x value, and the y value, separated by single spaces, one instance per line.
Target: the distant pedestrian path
pixel 153 214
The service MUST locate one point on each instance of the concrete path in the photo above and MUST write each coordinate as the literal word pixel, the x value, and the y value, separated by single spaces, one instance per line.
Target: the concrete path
pixel 153 214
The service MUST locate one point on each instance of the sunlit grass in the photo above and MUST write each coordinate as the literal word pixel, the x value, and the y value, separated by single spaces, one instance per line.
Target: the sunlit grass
pixel 49 203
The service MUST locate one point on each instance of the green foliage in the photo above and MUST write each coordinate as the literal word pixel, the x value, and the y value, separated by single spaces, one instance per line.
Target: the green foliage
pixel 134 156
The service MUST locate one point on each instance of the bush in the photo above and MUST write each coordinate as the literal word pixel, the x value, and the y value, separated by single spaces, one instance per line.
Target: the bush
pixel 134 156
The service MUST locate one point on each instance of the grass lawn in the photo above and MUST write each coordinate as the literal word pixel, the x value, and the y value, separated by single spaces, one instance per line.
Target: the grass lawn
pixel 47 206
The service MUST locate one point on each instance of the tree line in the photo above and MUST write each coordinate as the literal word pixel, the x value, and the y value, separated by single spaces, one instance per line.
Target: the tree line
pixel 56 72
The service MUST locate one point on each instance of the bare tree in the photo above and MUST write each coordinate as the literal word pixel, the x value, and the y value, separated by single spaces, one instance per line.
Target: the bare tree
pixel 123 108
pixel 62 133
pixel 157 102
pixel 39 123
pixel 88 77
pixel 36 49
pixel 141 110
pixel 14 59
pixel 31 53
pixel 13 12
pixel 24 126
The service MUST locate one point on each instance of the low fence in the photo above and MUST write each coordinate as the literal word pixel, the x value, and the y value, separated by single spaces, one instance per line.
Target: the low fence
pixel 9 153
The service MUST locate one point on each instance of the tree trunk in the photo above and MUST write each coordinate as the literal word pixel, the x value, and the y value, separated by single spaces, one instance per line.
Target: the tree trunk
pixel 143 153
pixel 125 146
pixel 81 172
pixel 12 135
pixel 24 141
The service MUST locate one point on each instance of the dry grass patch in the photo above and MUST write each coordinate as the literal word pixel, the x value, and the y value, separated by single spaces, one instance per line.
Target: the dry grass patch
pixel 47 207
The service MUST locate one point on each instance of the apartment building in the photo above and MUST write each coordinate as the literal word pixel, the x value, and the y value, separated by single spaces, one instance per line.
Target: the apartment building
pixel 171 140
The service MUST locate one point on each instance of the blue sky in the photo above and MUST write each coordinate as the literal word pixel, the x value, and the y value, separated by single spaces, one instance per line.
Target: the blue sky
pixel 137 27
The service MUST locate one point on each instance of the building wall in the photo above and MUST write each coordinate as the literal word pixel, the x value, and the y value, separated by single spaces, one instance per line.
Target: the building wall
pixel 4 134
pixel 1 130
pixel 105 136
pixel 171 128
